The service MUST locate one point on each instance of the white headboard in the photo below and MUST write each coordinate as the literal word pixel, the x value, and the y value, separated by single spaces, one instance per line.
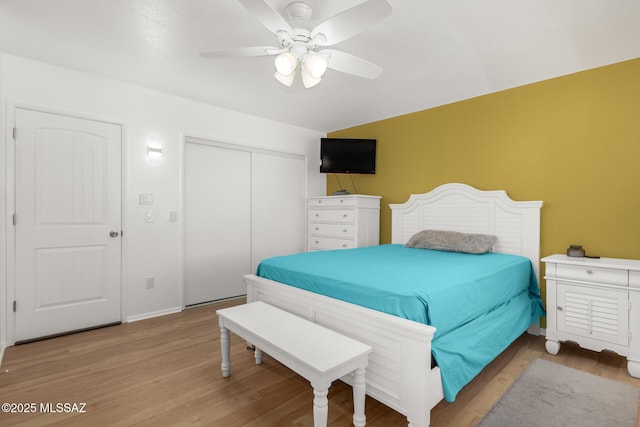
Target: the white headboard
pixel 460 207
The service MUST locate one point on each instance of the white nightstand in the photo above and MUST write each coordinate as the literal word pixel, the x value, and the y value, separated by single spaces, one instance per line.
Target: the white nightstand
pixel 595 303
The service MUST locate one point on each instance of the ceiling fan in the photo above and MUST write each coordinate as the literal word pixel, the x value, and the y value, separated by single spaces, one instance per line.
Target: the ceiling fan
pixel 299 40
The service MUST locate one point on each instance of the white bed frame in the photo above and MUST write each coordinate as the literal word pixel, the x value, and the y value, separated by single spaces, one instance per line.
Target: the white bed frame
pixel 399 372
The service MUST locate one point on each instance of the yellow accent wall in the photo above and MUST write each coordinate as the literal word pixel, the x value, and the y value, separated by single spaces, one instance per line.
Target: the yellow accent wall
pixel 572 142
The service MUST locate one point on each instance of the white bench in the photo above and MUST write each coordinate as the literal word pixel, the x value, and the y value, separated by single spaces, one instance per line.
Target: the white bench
pixel 314 352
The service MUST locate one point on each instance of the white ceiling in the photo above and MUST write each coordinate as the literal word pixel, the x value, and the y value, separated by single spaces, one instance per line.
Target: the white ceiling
pixel 433 52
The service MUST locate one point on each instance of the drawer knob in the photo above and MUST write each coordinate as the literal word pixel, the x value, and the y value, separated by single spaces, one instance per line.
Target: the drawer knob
pixel 317 228
pixel 341 200
pixel 344 245
pixel 319 201
pixel 317 215
pixel 344 231
pixel 317 242
pixel 560 308
pixel 344 216
pixel 589 271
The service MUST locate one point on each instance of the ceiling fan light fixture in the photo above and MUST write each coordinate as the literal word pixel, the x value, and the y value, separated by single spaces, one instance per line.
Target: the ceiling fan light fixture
pixel 308 80
pixel 285 80
pixel 298 37
pixel 286 63
pixel 315 64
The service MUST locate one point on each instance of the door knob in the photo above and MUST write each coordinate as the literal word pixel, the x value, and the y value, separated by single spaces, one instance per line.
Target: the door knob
pixel 113 234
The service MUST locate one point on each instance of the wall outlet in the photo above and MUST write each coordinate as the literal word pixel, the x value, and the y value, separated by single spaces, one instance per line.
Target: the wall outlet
pixel 148 216
pixel 150 282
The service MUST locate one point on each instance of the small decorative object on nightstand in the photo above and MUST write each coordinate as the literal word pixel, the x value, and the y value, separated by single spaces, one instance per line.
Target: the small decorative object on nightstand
pixel 596 303
pixel 575 251
pixel 343 222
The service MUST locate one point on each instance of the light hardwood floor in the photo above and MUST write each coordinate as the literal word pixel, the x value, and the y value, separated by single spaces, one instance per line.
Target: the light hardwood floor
pixel 166 372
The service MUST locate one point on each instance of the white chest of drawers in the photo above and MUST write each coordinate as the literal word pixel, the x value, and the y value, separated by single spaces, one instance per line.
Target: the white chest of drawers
pixel 596 303
pixel 342 222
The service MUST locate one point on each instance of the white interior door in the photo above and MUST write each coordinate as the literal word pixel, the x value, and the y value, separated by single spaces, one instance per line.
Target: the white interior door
pixel 279 200
pixel 68 201
pixel 217 222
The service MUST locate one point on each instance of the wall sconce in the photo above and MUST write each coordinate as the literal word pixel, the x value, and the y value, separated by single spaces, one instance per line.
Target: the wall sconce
pixel 154 152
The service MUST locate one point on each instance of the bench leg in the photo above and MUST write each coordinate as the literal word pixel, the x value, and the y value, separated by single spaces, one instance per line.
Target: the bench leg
pixel 320 406
pixel 359 389
pixel 225 351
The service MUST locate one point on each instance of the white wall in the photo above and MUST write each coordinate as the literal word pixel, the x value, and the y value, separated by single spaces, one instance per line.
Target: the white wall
pixel 149 249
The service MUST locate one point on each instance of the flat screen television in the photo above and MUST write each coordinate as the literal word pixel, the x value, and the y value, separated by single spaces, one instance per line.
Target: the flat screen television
pixel 348 155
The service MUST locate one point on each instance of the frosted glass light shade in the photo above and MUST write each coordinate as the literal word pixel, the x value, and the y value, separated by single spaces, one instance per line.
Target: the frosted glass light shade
pixel 307 79
pixel 285 80
pixel 286 63
pixel 315 64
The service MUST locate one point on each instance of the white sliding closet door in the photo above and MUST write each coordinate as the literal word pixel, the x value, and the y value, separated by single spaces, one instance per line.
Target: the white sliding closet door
pixel 217 222
pixel 278 194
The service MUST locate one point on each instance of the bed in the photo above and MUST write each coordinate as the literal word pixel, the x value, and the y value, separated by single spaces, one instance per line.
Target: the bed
pixel 401 373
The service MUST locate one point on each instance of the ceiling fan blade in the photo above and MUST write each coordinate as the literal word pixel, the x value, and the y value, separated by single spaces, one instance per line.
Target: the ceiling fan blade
pixel 243 52
pixel 267 16
pixel 350 22
pixel 351 64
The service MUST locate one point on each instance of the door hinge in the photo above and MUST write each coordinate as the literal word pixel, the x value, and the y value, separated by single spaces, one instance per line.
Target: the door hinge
pixel 15 132
pixel 14 219
pixel 14 306
pixel 121 233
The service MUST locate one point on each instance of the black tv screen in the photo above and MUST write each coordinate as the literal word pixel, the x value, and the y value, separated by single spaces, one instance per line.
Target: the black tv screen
pixel 347 155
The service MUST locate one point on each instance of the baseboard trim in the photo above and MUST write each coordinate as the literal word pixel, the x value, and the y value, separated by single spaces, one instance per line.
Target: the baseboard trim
pixel 153 314
pixel 216 301
pixel 536 330
pixel 3 346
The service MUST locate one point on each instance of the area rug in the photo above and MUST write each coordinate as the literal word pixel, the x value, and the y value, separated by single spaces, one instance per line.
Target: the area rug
pixel 548 395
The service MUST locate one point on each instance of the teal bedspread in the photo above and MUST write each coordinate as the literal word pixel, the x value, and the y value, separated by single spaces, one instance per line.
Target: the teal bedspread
pixel 478 304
